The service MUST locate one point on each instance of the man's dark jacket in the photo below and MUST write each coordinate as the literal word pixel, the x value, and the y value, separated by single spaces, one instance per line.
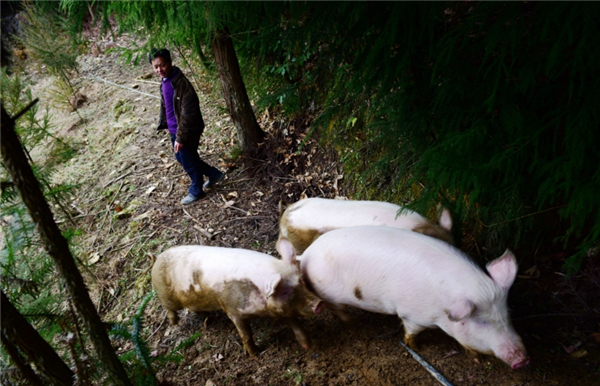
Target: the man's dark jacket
pixel 190 124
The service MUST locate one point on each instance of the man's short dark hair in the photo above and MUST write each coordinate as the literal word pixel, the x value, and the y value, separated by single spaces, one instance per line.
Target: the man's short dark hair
pixel 163 53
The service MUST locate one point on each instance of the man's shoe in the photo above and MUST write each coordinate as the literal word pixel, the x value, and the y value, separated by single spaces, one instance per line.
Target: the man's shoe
pixel 191 198
pixel 213 181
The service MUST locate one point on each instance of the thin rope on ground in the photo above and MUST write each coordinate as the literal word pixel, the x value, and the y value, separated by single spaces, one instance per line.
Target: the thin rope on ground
pixel 125 87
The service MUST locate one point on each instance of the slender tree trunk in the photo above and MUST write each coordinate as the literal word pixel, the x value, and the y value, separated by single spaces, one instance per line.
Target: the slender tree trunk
pixel 234 91
pixel 18 333
pixel 57 247
pixel 26 371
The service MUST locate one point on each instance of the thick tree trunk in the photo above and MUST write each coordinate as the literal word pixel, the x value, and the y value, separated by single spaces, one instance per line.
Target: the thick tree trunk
pixel 55 244
pixel 234 91
pixel 18 333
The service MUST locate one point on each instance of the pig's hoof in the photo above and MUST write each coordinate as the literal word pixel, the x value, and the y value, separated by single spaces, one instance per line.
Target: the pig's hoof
pixel 173 318
pixel 411 342
pixel 252 350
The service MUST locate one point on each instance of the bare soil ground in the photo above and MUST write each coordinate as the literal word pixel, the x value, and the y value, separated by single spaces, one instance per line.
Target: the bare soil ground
pixel 128 208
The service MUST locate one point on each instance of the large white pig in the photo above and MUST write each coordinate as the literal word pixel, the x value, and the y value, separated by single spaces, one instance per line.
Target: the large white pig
pixel 243 283
pixel 426 282
pixel 304 221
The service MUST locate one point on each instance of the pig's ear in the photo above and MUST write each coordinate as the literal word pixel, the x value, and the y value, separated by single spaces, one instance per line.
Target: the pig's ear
pixel 271 283
pixel 445 220
pixel 460 310
pixel 286 250
pixel 503 270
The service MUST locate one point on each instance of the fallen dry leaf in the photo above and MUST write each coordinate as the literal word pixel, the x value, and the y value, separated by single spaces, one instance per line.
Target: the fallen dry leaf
pixel 150 190
pixel 451 353
pixel 94 258
pixel 579 354
pixel 217 357
pixel 227 204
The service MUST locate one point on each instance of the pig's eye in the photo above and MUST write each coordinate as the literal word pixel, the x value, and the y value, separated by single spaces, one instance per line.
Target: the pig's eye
pixel 481 322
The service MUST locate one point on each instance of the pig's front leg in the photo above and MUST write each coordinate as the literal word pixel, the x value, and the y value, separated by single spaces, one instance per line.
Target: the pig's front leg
pixel 410 333
pixel 245 331
pixel 301 336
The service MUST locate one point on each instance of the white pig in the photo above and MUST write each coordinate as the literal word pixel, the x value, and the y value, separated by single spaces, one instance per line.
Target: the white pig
pixel 426 282
pixel 243 283
pixel 304 221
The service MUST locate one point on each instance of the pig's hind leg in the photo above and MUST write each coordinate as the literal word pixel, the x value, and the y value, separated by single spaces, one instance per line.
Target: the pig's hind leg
pixel 172 308
pixel 173 317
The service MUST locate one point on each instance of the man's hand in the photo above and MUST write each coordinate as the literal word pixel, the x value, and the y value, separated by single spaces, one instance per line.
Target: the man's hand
pixel 177 146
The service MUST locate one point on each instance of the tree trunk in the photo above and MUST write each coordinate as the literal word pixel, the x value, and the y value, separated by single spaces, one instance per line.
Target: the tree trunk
pixel 234 91
pixel 57 247
pixel 17 333
pixel 26 371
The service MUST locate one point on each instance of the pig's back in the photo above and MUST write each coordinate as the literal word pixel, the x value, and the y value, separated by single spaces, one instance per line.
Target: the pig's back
pixel 324 214
pixel 376 268
pixel 193 264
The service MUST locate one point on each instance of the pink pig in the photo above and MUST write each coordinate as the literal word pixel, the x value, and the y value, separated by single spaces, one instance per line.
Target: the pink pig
pixel 243 283
pixel 304 221
pixel 426 282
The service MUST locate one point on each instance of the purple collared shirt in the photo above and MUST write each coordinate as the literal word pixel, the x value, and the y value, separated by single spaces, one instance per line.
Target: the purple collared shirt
pixel 168 92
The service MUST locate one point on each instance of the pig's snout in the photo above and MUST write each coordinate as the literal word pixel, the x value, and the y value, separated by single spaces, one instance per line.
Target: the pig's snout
pixel 521 362
pixel 318 307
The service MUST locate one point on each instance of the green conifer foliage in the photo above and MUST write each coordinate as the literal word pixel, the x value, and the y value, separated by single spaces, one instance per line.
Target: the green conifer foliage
pixel 488 108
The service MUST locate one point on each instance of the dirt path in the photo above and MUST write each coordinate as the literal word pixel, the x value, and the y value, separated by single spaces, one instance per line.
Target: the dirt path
pixel 128 207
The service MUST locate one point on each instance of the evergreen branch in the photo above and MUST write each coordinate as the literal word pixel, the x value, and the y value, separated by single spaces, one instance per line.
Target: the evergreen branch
pixel 140 346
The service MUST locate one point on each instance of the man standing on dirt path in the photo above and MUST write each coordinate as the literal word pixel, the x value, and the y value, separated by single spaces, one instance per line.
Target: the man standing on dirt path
pixel 180 114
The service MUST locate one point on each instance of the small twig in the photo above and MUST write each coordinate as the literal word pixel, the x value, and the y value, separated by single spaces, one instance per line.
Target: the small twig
pixel 101 225
pixel 244 218
pixel 233 207
pixel 256 159
pixel 205 233
pixel 92 201
pixel 129 250
pixel 179 175
pixel 116 179
pixel 90 214
pixel 190 216
pixel 233 182
pixel 159 326
pixel 146 240
pixel 144 169
pixel 173 229
pixel 170 190
pixel 25 109
pixel 116 194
